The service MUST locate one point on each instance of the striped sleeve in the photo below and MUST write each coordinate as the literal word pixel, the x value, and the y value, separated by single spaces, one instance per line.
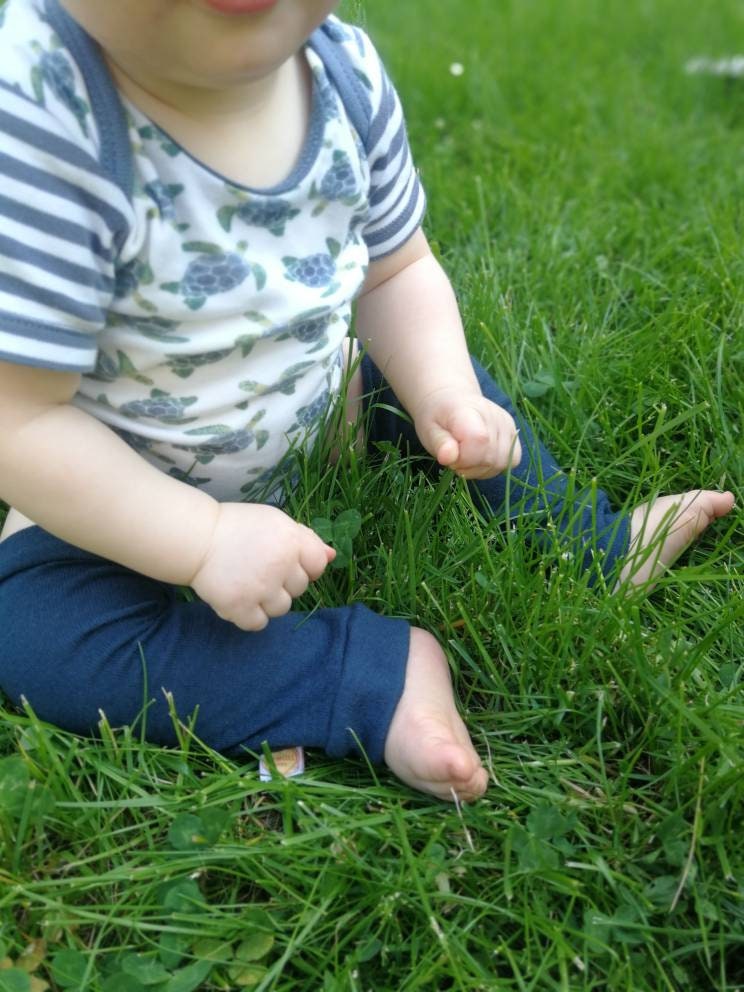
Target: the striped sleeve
pixel 61 223
pixel 396 197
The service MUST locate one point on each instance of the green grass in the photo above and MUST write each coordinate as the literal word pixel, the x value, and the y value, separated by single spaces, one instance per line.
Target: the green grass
pixel 586 197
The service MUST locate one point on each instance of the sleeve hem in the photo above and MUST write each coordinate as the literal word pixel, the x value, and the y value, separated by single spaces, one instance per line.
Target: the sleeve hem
pixel 34 343
pixel 44 363
pixel 376 256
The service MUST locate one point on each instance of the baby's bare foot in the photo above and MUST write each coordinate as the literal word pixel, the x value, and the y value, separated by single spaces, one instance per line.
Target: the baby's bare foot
pixel 428 746
pixel 661 530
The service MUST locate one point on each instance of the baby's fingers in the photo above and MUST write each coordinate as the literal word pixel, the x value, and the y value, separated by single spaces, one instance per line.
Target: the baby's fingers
pixel 277 604
pixel 297 582
pixel 502 452
pixel 246 618
pixel 505 451
pixel 315 554
pixel 512 449
pixel 469 436
pixel 447 451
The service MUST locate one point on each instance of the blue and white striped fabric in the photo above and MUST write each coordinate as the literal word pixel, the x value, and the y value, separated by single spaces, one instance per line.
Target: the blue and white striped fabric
pixel 59 221
pixel 61 217
pixel 396 197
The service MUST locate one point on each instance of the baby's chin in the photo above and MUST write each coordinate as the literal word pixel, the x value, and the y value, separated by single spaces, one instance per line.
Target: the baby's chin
pixel 245 40
pixel 199 44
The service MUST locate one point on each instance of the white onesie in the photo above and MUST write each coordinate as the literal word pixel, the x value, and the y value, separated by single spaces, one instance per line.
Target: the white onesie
pixel 206 317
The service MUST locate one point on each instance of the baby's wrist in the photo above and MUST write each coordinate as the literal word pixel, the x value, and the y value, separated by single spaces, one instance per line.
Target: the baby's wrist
pixel 452 394
pixel 203 539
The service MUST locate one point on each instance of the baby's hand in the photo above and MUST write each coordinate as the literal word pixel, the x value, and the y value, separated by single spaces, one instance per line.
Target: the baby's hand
pixel 468 433
pixel 258 561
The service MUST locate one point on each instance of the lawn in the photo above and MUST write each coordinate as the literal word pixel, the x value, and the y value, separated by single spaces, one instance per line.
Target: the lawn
pixel 585 195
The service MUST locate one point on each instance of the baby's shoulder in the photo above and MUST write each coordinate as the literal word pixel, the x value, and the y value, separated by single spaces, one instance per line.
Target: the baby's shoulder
pixel 38 66
pixel 352 64
pixel 354 45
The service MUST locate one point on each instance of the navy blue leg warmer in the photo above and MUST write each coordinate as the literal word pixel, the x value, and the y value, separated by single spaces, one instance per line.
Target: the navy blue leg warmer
pixel 582 523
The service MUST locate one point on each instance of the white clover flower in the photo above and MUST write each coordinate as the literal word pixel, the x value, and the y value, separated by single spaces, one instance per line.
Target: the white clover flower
pixel 457 69
pixel 733 66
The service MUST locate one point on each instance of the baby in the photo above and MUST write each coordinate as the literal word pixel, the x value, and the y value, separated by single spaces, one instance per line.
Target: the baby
pixel 194 193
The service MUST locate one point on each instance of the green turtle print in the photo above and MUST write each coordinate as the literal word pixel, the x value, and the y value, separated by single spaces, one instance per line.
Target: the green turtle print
pixel 271 215
pixel 163 196
pixel 339 183
pixel 129 280
pixel 286 383
pixel 109 369
pixel 185 365
pixel 309 415
pixel 213 271
pixel 311 328
pixel 151 132
pixel 192 480
pixel 161 406
pixel 54 70
pixel 317 270
pixel 225 440
pixel 154 328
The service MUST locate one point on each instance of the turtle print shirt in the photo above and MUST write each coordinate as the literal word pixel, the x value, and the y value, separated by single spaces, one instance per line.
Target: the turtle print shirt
pixel 206 317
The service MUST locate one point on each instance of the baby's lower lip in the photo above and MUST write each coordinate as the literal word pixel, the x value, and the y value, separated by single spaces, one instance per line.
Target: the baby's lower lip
pixel 240 6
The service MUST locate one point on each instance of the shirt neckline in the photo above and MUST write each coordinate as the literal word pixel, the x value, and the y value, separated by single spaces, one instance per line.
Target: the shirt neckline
pixel 301 168
pixel 110 112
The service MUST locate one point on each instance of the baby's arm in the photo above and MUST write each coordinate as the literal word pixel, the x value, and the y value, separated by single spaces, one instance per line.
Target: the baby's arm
pixel 76 478
pixel 408 319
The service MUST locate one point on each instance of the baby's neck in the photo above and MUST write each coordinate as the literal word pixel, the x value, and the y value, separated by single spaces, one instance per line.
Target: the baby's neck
pixel 252 133
pixel 159 97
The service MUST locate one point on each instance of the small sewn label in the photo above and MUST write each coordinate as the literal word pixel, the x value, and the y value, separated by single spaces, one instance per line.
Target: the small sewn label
pixel 290 761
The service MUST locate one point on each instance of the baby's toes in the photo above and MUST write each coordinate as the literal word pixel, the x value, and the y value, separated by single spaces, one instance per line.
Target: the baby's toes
pixel 717 504
pixel 698 510
pixel 472 783
pixel 475 787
